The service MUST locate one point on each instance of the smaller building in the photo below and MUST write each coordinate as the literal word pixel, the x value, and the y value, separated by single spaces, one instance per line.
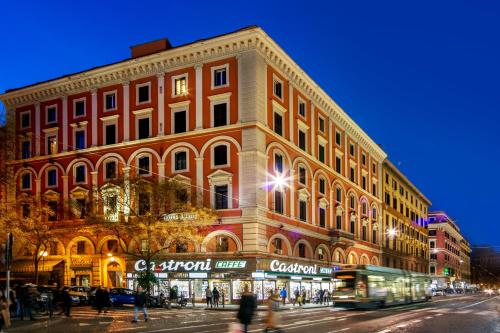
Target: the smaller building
pixel 449 264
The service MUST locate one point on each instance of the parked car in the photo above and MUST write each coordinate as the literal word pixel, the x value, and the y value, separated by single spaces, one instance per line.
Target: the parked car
pixel 121 296
pixel 438 292
pixel 82 293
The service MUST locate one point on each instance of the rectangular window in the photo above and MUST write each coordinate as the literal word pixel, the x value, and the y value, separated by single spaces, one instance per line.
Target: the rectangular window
pixel 220 77
pixel 278 202
pixel 322 217
pixel 80 108
pixel 278 163
pixel 321 124
pixel 26 210
pixel 26 181
pixel 51 145
pixel 303 210
pixel 180 86
pixel 352 227
pixel 321 153
pixel 143 94
pixel 432 245
pixel 26 149
pixel 338 220
pixel 338 194
pixel 363 159
pixel 52 177
pixel 220 114
pixel 25 119
pixel 374 189
pixel 80 247
pixel 302 175
pixel 80 174
pixel 278 87
pixel 220 155
pixel 374 236
pixel 180 118
pixel 363 182
pixel 143 164
pixel 338 164
pixel 433 256
pixel 374 168
pixel 278 123
pixel 302 140
pixel 351 149
pixel 221 196
pixel 395 203
pixel 80 139
pixel 110 170
pixel 363 232
pixel 302 109
pixel 322 186
pixel 110 134
pixel 180 161
pixel 51 114
pixel 110 101
pixel 143 126
pixel 53 210
pixel 352 175
pixel 387 198
pixel 82 207
pixel 338 138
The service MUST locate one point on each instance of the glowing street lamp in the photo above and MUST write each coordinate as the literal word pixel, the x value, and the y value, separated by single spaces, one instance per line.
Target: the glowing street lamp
pixel 43 254
pixel 278 181
pixel 392 232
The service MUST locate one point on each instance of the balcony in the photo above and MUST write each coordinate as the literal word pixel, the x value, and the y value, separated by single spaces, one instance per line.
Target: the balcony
pixel 341 236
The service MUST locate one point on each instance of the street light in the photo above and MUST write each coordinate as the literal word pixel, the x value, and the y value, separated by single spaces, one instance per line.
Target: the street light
pixel 392 232
pixel 278 181
pixel 43 254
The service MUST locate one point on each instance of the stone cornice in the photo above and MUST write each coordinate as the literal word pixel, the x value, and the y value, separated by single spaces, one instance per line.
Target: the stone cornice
pixel 189 55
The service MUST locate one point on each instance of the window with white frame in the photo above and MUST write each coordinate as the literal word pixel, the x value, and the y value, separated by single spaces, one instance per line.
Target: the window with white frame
pixel 111 204
pixel 303 209
pixel 363 182
pixel 180 121
pixel 352 174
pixel 221 189
pixel 110 135
pixel 79 107
pixel 321 124
pixel 278 163
pixel 110 169
pixel 26 181
pixel 221 198
pixel 302 108
pixel 278 123
pixel 363 159
pixel 338 194
pixel 51 114
pixel 338 164
pixel 143 93
pixel 26 148
pixel 321 254
pixel 338 138
pixel 51 180
pixel 180 87
pixel 278 202
pixel 80 174
pixel 51 143
pixel 80 139
pixel 143 127
pixel 302 140
pixel 364 209
pixel 322 186
pixel 110 101
pixel 220 76
pixel 322 217
pixel 351 149
pixel 25 119
pixel 338 221
pixel 302 176
pixel 352 201
pixel 278 88
pixel 220 155
pixel 144 165
pixel 220 114
pixel 302 250
pixel 321 153
pixel 180 160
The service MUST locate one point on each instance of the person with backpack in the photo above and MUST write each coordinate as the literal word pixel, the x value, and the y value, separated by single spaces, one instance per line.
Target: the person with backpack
pixel 283 295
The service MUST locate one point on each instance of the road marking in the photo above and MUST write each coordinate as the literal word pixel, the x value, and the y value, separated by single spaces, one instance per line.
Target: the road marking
pixel 342 330
pixel 428 317
pixel 105 322
pixel 416 321
pixel 84 324
pixel 342 319
pixel 402 325
pixel 384 331
pixel 438 314
pixel 301 322
pixel 473 304
pixel 131 328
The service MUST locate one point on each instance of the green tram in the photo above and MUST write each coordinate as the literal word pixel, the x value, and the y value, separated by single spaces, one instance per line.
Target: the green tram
pixel 366 286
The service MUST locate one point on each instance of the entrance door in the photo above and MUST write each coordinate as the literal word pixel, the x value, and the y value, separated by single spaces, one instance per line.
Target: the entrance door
pixel 114 275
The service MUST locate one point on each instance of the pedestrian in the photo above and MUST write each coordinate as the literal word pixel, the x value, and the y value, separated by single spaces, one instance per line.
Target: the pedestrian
pixel 215 295
pixel 273 304
pixel 29 297
pixel 13 301
pixel 321 296
pixel 99 299
pixel 66 302
pixel 223 295
pixel 209 296
pixel 283 295
pixel 5 313
pixel 106 299
pixel 304 295
pixel 140 304
pixel 248 305
pixel 297 295
pixel 326 296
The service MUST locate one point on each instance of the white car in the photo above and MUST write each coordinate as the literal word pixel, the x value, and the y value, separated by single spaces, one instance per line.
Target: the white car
pixel 438 292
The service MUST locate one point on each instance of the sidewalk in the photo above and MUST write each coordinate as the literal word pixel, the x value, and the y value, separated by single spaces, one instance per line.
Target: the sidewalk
pixel 261 307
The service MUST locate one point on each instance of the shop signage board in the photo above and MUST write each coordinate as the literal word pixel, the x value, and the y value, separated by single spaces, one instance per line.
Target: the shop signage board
pixel 295 268
pixel 179 217
pixel 231 264
pixel 206 265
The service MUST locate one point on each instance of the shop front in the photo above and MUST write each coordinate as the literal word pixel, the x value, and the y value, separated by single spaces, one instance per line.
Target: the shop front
pixel 231 275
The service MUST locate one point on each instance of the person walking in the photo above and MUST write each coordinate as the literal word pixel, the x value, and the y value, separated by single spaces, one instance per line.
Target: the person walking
pixel 13 301
pixel 216 295
pixel 209 296
pixel 283 295
pixel 5 313
pixel 106 299
pixel 273 304
pixel 304 295
pixel 99 299
pixel 248 305
pixel 140 303
pixel 29 296
pixel 296 293
pixel 66 302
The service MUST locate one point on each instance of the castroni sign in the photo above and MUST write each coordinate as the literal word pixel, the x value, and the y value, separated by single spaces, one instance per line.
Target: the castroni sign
pixel 296 268
pixel 189 266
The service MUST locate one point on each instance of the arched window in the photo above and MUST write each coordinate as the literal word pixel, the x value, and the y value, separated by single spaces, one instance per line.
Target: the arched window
pixel 374 213
pixel 364 210
pixel 302 250
pixel 338 194
pixel 352 202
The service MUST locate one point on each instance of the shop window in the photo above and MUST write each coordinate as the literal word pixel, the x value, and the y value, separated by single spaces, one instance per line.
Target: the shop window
pixel 278 202
pixel 180 120
pixel 80 247
pixel 303 210
pixel 322 217
pixel 220 114
pixel 221 196
pixel 110 131
pixel 302 250
pixel 278 246
pixel 53 210
pixel 222 244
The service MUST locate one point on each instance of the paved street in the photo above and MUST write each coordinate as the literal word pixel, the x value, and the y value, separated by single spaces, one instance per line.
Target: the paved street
pixel 467 314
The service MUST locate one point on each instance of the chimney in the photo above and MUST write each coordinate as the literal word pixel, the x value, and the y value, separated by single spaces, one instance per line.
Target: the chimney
pixel 150 48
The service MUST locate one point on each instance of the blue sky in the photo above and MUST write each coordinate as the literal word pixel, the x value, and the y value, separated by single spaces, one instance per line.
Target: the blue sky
pixel 420 78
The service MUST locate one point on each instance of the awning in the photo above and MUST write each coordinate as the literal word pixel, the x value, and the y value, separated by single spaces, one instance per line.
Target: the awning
pixel 22 266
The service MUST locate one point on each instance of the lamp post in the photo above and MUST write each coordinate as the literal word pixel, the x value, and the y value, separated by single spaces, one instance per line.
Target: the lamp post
pixel 43 254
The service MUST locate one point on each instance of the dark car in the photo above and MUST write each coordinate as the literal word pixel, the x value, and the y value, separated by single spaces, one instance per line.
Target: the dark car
pixel 121 296
pixel 82 293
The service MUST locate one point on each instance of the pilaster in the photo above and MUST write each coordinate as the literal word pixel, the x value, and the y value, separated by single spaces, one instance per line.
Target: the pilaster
pixel 161 104
pixel 126 112
pixel 65 123
pixel 37 121
pixel 199 180
pixel 94 117
pixel 199 95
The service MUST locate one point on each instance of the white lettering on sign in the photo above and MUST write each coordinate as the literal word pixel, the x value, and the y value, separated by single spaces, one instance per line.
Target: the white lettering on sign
pixel 174 266
pixel 295 268
pixel 179 216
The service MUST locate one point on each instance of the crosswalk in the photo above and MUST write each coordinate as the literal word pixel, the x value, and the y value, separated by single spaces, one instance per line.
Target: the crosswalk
pixel 126 314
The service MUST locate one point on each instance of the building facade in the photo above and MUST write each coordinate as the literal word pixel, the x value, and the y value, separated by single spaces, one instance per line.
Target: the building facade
pixel 295 181
pixel 449 264
pixel 404 209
